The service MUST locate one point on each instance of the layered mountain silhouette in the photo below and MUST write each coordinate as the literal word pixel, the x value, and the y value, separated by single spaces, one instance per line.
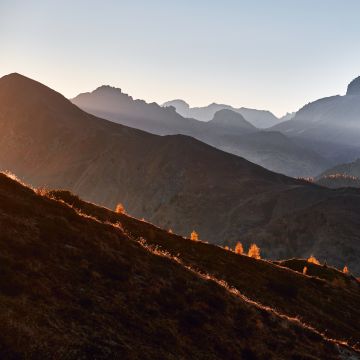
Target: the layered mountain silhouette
pixel 331 125
pixel 227 130
pixel 81 282
pixel 176 181
pixel 258 118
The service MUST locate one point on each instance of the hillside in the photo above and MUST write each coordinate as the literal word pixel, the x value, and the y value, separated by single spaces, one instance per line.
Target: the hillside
pixel 75 287
pixel 238 136
pixel 338 181
pixel 341 175
pixel 175 182
pixel 296 295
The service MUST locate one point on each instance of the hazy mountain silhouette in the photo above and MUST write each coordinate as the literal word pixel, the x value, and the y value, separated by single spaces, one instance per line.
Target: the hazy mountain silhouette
pixel 354 87
pixel 83 287
pixel 258 118
pixel 233 135
pixel 331 125
pixel 231 120
pixel 288 116
pixel 174 181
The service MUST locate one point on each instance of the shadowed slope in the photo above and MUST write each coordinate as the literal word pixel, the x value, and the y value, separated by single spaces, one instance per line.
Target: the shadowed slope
pixel 72 287
pixel 290 293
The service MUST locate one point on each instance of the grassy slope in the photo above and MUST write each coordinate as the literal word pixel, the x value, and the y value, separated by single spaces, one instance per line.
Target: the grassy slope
pixel 331 307
pixel 72 287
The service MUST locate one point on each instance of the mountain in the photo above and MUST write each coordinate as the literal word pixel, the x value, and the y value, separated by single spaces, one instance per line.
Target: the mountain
pixel 258 118
pixel 274 151
pixel 111 103
pixel 338 181
pixel 231 120
pixel 288 116
pixel 288 157
pixel 342 175
pixel 354 87
pixel 75 286
pixel 332 121
pixel 175 181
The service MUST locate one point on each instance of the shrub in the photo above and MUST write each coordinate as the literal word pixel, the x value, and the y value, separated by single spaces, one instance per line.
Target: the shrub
pixel 254 251
pixel 120 209
pixel 194 236
pixel 312 259
pixel 239 248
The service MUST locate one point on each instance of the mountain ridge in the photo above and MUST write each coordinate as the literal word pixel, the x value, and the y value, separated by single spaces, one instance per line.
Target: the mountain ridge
pixel 291 158
pixel 175 181
pixel 83 288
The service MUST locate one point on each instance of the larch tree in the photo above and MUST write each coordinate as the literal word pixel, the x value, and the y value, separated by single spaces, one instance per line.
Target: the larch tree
pixel 194 236
pixel 120 209
pixel 312 259
pixel 254 251
pixel 239 248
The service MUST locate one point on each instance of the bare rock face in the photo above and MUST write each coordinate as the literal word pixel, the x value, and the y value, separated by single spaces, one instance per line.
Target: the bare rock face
pixel 354 87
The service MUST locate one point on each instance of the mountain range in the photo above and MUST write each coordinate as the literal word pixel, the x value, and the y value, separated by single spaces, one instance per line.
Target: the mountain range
pixel 227 130
pixel 259 118
pixel 173 181
pixel 330 125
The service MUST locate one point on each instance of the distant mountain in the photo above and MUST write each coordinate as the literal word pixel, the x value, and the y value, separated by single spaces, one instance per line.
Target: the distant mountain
pixel 288 116
pixel 231 120
pixel 176 181
pixel 258 118
pixel 75 286
pixel 111 103
pixel 275 151
pixel 338 181
pixel 331 124
pixel 354 87
pixel 343 175
pixel 351 169
pixel 227 130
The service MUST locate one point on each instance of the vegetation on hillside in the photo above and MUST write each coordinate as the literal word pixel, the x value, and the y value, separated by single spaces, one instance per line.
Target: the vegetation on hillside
pixel 74 285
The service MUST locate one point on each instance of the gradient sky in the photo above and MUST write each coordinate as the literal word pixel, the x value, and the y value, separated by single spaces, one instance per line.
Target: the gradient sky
pixel 268 54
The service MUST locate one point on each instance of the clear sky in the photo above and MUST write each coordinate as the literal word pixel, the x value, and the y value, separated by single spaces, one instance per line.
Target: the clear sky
pixel 268 54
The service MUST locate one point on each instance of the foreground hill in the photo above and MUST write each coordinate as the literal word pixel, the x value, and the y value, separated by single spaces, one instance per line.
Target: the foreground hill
pixel 74 287
pixel 227 129
pixel 296 295
pixel 176 182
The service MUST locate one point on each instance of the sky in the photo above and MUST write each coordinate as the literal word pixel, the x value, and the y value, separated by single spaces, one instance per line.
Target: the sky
pixel 276 55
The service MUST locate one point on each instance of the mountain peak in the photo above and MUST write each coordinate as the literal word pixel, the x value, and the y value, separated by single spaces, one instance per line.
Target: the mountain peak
pixel 108 88
pixel 17 86
pixel 231 118
pixel 354 87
